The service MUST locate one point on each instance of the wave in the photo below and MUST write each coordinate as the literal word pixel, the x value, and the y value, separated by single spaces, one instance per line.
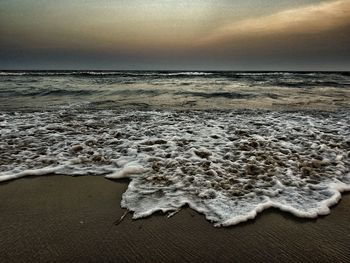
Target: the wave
pixel 227 165
pixel 228 95
pixel 130 92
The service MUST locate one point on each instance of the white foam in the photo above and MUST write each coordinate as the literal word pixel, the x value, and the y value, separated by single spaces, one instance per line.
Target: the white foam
pixel 126 172
pixel 32 172
pixel 227 165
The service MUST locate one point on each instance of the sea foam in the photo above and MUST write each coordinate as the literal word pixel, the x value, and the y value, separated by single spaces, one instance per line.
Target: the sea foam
pixel 227 165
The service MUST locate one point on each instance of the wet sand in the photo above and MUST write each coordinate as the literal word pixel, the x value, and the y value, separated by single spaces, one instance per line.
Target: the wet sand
pixel 71 219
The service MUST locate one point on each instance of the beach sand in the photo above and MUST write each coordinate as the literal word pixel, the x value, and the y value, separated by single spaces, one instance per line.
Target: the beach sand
pixel 71 219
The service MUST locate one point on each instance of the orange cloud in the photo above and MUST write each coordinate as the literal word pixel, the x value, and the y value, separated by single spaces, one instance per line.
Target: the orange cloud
pixel 310 19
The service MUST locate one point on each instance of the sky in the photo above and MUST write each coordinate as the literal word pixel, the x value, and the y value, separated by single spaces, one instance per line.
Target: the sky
pixel 175 34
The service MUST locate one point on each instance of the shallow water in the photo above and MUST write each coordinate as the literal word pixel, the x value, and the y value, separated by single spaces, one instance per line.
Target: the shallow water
pixel 228 164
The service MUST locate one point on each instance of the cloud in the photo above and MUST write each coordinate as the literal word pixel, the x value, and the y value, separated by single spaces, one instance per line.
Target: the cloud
pixel 309 37
pixel 313 19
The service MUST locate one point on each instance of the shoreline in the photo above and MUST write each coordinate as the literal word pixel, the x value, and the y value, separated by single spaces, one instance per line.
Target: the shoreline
pixel 72 219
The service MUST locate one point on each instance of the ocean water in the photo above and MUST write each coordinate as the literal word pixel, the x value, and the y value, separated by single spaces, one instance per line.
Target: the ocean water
pixel 228 144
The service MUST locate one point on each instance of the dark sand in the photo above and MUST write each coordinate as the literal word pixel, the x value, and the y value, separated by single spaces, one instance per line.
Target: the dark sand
pixel 70 219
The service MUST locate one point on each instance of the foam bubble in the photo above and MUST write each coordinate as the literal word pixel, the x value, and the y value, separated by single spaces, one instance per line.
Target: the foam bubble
pixel 126 172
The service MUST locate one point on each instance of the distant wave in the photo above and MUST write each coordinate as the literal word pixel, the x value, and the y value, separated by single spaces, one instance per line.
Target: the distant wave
pixel 229 95
pixel 169 73
pixel 190 74
pixel 280 79
pixel 12 73
pixel 101 73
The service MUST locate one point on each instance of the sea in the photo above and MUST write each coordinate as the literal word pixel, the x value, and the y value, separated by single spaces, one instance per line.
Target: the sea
pixel 226 144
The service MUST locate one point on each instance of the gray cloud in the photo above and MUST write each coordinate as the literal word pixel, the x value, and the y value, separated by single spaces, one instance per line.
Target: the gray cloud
pixel 311 37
